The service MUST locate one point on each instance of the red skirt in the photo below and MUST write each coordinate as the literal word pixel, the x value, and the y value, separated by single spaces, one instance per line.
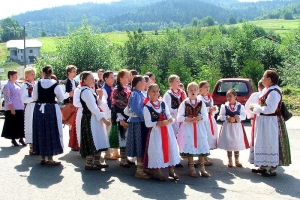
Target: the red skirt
pixel 73 142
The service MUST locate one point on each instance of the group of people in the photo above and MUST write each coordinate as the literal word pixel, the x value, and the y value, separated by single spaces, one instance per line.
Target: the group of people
pixel 128 117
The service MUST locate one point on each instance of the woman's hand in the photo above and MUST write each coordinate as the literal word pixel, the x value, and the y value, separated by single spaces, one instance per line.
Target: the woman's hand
pixel 106 122
pixel 198 118
pixel 12 111
pixel 99 93
pixel 170 120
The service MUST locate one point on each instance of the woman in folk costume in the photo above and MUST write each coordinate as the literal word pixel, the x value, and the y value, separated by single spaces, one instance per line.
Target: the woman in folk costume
pixel 253 99
pixel 271 142
pixel 26 96
pixel 93 135
pixel 161 147
pixel 192 136
pixel 47 121
pixel 118 134
pixel 137 130
pixel 211 124
pixel 232 135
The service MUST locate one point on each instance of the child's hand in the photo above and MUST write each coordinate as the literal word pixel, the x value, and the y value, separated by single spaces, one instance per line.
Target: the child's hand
pixel 125 125
pixel 159 123
pixel 71 93
pixel 236 117
pixel 165 122
pixel 199 118
pixel 106 122
pixel 251 107
pixel 170 120
pixel 100 93
pixel 188 119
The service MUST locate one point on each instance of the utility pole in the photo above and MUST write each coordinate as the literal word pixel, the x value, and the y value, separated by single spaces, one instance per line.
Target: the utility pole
pixel 24 33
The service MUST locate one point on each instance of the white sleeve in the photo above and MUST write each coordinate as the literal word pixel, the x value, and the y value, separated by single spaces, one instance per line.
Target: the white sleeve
pixel 204 112
pixel 217 109
pixel 35 92
pixel 88 97
pixel 222 115
pixel 242 115
pixel 59 93
pixel 76 98
pixel 181 112
pixel 272 102
pixel 147 118
pixel 167 99
pixel 168 114
pixel 24 94
pixel 247 106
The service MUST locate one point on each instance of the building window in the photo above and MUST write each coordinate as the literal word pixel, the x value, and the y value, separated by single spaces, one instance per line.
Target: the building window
pixel 15 53
pixel 30 51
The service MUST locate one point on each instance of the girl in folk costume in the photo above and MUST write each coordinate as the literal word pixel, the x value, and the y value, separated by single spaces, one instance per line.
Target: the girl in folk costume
pixel 26 96
pixel 47 120
pixel 192 136
pixel 232 136
pixel 211 124
pixel 173 97
pixel 93 135
pixel 148 83
pixel 118 134
pixel 137 130
pixel 253 99
pixel 271 142
pixel 161 147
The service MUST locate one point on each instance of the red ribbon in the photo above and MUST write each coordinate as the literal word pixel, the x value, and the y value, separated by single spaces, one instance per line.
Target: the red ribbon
pixel 164 139
pixel 252 131
pixel 195 132
pixel 211 124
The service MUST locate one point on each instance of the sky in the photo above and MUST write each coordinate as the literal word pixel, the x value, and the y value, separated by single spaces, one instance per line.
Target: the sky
pixel 9 8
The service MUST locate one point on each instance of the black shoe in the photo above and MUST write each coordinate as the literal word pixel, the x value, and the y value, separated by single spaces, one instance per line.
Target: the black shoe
pixel 259 170
pixel 269 174
pixel 14 143
pixel 22 142
pixel 179 165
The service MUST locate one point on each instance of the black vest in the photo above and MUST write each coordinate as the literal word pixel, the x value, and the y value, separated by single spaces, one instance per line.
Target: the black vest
pixel 46 95
pixel 154 114
pixel 108 91
pixel 69 88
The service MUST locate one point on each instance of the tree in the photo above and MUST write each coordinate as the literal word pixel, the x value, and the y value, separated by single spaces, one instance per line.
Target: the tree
pixel 208 21
pixel 140 30
pixel 10 29
pixel 288 15
pixel 194 21
pixel 231 20
pixel 43 34
pixel 253 69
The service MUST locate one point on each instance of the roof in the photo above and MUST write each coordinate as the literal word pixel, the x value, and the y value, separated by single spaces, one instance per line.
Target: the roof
pixel 19 44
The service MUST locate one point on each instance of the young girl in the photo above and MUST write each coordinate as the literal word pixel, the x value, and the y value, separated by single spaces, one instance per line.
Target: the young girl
pixel 118 133
pixel 192 136
pixel 137 130
pixel 211 124
pixel 148 82
pixel 93 137
pixel 26 97
pixel 232 136
pixel 162 148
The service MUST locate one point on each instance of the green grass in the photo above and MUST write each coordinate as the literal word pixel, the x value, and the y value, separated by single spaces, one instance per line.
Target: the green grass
pixel 7 66
pixel 3 52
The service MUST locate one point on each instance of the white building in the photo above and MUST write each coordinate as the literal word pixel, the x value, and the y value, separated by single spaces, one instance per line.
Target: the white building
pixel 16 50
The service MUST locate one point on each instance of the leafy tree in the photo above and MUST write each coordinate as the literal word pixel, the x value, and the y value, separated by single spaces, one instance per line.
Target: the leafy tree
pixel 140 30
pixel 288 15
pixel 253 69
pixel 194 21
pixel 10 29
pixel 43 34
pixel 231 20
pixel 208 21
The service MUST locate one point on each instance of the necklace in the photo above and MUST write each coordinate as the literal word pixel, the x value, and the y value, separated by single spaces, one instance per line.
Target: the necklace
pixel 193 104
pixel 206 98
pixel 177 94
pixel 155 106
pixel 232 107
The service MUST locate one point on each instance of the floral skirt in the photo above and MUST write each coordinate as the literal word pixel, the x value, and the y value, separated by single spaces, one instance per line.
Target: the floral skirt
pixel 46 139
pixel 87 146
pixel 13 127
pixel 136 139
pixel 284 145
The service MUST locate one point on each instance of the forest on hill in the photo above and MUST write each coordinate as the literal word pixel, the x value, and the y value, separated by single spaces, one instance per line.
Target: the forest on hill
pixel 146 14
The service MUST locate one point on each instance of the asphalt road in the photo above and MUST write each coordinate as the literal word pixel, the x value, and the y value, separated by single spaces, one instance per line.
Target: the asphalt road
pixel 22 177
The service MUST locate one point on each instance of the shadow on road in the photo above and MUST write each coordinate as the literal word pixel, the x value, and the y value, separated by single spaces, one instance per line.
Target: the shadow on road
pixel 5 152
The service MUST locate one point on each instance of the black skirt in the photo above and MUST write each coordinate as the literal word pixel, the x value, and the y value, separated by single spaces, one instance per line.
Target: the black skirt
pixel 13 127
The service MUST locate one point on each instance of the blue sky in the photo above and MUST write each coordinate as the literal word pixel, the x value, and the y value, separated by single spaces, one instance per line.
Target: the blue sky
pixel 9 8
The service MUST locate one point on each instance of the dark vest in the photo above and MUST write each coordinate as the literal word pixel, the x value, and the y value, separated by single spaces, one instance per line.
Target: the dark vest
pixel 85 109
pixel 175 102
pixel 69 88
pixel 191 111
pixel 109 91
pixel 154 114
pixel 232 114
pixel 46 95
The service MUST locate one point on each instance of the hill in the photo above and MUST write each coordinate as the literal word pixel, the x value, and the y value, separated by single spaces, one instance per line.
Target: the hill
pixel 147 14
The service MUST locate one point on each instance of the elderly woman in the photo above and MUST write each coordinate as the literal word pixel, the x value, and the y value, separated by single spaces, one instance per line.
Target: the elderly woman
pixel 47 121
pixel 271 143
pixel 13 127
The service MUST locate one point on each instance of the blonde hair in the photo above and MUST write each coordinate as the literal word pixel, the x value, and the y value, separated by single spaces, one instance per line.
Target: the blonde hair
pixel 172 78
pixel 27 70
pixel 192 84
